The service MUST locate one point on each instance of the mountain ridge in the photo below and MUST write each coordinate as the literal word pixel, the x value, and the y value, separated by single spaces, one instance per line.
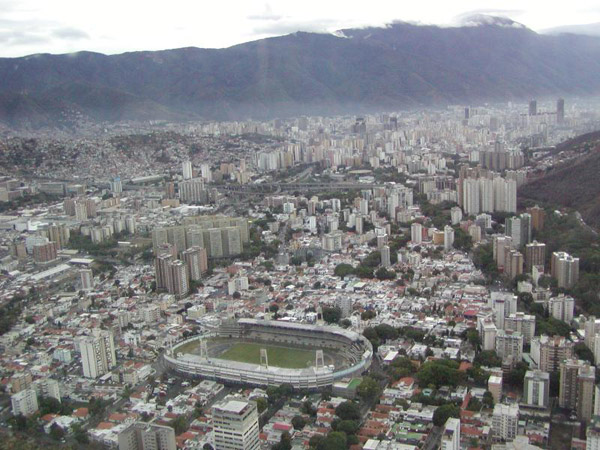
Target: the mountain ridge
pixel 400 66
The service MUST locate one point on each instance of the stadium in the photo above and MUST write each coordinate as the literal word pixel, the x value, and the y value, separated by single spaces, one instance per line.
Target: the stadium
pixel 271 353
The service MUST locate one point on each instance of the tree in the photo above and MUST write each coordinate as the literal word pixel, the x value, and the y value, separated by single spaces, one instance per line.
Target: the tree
pixel 316 442
pixel 348 426
pixel 472 336
pixel 487 358
pixel 368 389
pixel 79 434
pixel 385 274
pixel 285 442
pixel 56 432
pixel 207 446
pixel 261 404
pixel 488 399
pixel 343 270
pixel 439 373
pixel 348 410
pixel 444 412
pixel 237 295
pixel 583 352
pixel 335 441
pixel 179 424
pixel 298 422
pixel 386 332
pixel 332 315
pixel 345 323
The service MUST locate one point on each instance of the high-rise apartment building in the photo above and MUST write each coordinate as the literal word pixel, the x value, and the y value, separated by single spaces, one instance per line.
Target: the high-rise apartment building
pixel 569 371
pixel 535 255
pixel 505 421
pixel 586 378
pixel 193 191
pixel 562 307
pixel 385 256
pixel 44 253
pixel 548 352
pixel 187 170
pixel 509 346
pixel 523 323
pixel 538 215
pixel 147 436
pixel 560 110
pixel 196 261
pixel 565 268
pixel 98 354
pixel 24 402
pixel 533 107
pixel 519 229
pixel 451 435
pixel 536 389
pixel 177 279
pixel 416 233
pixel 235 425
pixel 593 434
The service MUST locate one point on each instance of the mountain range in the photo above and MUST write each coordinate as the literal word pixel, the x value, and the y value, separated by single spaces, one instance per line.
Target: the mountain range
pixel 400 66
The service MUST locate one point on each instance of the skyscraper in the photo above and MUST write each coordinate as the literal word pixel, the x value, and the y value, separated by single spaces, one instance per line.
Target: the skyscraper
pixel 560 110
pixel 569 371
pixel 196 261
pixel 385 256
pixel 177 281
pixel 533 107
pixel 235 424
pixel 586 378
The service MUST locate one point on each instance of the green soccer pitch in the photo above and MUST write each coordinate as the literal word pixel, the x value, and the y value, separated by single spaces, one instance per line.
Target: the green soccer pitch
pixel 285 357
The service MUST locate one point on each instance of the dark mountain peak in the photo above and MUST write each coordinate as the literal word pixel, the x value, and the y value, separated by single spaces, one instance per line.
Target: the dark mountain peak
pixel 402 65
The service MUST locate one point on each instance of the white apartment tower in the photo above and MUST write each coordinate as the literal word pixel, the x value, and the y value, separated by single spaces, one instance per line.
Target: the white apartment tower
pixel 97 354
pixel 235 425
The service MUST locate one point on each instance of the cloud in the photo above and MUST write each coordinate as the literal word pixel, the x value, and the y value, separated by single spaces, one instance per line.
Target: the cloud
pixel 266 15
pixel 291 26
pixel 69 33
pixel 491 12
pixel 20 38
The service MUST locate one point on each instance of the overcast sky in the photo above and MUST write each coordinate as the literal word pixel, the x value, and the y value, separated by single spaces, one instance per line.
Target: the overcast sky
pixel 116 26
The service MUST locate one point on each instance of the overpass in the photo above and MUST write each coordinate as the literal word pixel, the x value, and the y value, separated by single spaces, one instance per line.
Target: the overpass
pixel 273 188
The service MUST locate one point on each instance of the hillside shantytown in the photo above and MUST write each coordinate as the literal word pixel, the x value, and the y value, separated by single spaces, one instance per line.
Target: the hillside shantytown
pixel 392 281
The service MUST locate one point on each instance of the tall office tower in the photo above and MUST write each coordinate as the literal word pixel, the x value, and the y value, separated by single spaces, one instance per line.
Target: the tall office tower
pixel 416 233
pixel 235 425
pixel 147 436
pixel 87 279
pixel 162 271
pixel 44 253
pixel 560 110
pixel 538 215
pixel 593 434
pixel 532 107
pixel 24 402
pixel 550 351
pixel 448 238
pixel 505 421
pixel 116 185
pixel 519 229
pixel 536 389
pixel 565 269
pixel 193 191
pixel 385 256
pixel 451 435
pixel 471 202
pixel 187 170
pixel 97 353
pixel 562 307
pixel 509 346
pixel 523 323
pixel 178 282
pixel 196 261
pixel 586 378
pixel 535 255
pixel 569 371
